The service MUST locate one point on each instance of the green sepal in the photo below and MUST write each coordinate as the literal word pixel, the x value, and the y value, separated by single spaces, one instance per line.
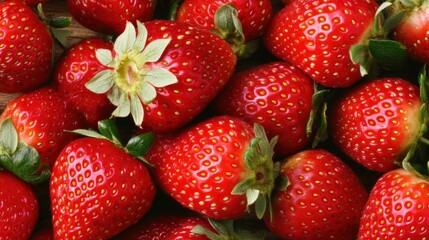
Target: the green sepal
pixel 174 7
pixel 262 171
pixel 139 145
pixel 110 130
pixel 228 230
pixel 19 158
pixel 317 112
pixel 389 54
pixel 56 26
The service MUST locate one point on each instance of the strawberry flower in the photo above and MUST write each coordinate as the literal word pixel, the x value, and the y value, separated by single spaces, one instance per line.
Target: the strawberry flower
pixel 129 81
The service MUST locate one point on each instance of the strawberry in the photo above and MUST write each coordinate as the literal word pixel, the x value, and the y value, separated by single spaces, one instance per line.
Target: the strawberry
pixel 211 166
pixel 73 70
pixel 320 198
pixel 99 188
pixel 239 22
pixel 276 95
pixel 377 122
pixel 167 227
pixel 412 30
pixel 397 207
pixel 32 137
pixel 19 209
pixel 106 16
pixel 163 73
pixel 25 48
pixel 316 36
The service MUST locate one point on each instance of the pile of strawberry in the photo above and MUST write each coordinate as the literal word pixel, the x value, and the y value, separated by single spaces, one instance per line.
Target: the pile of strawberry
pixel 216 119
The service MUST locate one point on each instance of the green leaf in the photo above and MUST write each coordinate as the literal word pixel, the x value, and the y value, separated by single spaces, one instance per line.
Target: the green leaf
pixel 200 230
pixel 104 56
pixel 227 21
pixel 8 137
pixel 125 41
pixel 242 186
pixel 139 145
pixel 393 20
pixel 61 35
pixel 141 39
pixel 154 50
pixel 147 93
pixel 60 22
pixel 109 129
pixel 101 82
pixel 25 163
pixel 389 54
pixel 160 77
pixel 136 108
pixel 89 133
pixel 223 227
pixel 260 207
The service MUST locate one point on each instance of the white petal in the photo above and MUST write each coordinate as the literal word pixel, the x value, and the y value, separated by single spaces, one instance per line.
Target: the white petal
pixel 104 56
pixel 137 111
pixel 124 43
pixel 123 108
pixel 160 77
pixel 101 82
pixel 155 49
pixel 147 93
pixel 141 37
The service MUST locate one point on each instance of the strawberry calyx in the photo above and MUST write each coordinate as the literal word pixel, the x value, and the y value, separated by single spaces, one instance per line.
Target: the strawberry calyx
pixel 56 25
pixel 258 186
pixel 137 146
pixel 376 49
pixel 416 160
pixel 20 158
pixel 226 230
pixel 229 27
pixel 128 80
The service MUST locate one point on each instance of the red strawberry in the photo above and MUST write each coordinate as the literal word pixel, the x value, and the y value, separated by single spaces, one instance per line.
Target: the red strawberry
pixel 19 207
pixel 25 48
pixel 99 188
pixel 106 16
pixel 237 21
pixel 377 122
pixel 75 68
pixel 278 96
pixel 211 167
pixel 34 130
pixel 397 208
pixel 413 30
pixel 163 73
pixel 316 36
pixel 166 227
pixel 322 198
pixel 41 119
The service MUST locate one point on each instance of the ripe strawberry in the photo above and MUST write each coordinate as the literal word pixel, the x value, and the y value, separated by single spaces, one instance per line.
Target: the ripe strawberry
pixel 25 48
pixel 41 119
pixel 397 208
pixel 73 70
pixel 322 198
pixel 166 227
pixel 19 207
pixel 377 122
pixel 211 167
pixel 163 73
pixel 99 188
pixel 276 95
pixel 237 21
pixel 316 36
pixel 106 16
pixel 32 137
pixel 412 30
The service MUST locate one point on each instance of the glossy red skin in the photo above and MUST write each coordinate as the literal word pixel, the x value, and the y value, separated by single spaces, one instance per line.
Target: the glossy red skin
pixel 413 32
pixel 19 209
pixel 376 123
pixel 25 50
pixel 166 227
pixel 202 63
pixel 316 37
pixel 97 190
pixel 397 208
pixel 254 15
pixel 323 201
pixel 201 165
pixel 276 95
pixel 76 67
pixel 110 16
pixel 41 118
